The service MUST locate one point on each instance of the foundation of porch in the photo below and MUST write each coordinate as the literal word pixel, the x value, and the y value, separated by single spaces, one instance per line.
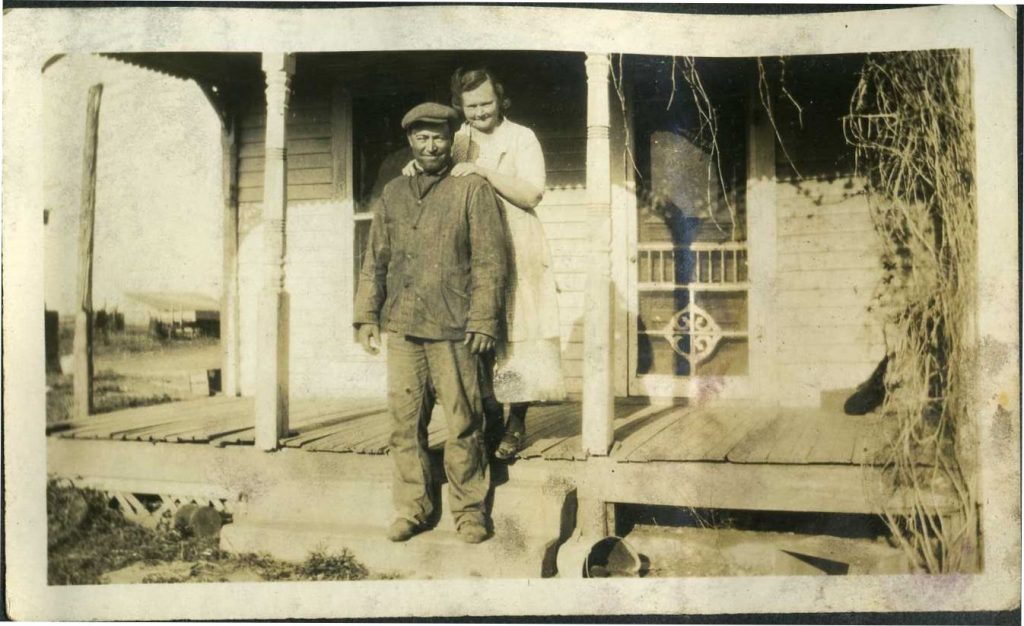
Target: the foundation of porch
pixel 328 487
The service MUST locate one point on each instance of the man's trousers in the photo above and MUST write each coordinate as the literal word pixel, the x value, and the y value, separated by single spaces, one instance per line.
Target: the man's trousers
pixel 413 366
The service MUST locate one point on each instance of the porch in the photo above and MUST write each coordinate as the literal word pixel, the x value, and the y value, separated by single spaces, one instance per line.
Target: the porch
pixel 813 460
pixel 625 306
pixel 328 485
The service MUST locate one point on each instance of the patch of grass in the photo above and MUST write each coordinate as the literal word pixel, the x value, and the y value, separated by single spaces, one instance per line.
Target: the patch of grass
pixel 107 404
pixel 133 340
pixel 59 398
pixel 111 392
pixel 89 538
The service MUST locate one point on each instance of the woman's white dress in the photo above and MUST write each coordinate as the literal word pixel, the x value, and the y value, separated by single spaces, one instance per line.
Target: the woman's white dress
pixel 529 365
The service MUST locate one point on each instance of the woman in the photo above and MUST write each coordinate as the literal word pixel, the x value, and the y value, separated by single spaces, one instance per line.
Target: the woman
pixel 528 362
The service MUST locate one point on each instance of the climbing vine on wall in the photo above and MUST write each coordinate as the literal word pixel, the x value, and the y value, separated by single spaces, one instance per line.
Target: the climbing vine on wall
pixel 911 125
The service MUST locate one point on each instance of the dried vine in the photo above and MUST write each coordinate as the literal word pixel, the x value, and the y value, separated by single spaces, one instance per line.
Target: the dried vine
pixel 764 92
pixel 910 123
pixel 707 132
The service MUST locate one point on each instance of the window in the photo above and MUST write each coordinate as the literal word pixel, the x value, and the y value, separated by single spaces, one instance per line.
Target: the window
pixel 380 152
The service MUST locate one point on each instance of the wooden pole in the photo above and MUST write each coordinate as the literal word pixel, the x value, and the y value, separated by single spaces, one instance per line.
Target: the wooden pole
pixel 598 373
pixel 226 107
pixel 229 295
pixel 272 322
pixel 83 315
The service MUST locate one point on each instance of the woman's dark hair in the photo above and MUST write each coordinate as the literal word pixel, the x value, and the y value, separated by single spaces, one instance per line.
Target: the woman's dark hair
pixel 464 80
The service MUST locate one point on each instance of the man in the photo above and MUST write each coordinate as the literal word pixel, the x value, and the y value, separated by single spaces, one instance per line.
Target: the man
pixel 433 278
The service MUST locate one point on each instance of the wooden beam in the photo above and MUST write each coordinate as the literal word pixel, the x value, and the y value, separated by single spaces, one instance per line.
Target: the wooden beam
pixel 83 368
pixel 272 323
pixel 753 486
pixel 225 105
pixel 598 375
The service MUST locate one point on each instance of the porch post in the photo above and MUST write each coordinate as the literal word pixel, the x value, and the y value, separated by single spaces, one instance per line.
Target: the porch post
pixel 229 293
pixel 598 382
pixel 83 364
pixel 761 250
pixel 272 349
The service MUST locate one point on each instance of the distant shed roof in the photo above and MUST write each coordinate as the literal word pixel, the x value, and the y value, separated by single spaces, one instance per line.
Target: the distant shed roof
pixel 176 300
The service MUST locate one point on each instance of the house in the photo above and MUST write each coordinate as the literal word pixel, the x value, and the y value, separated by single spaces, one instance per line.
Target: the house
pixel 342 124
pixel 715 287
pixel 176 314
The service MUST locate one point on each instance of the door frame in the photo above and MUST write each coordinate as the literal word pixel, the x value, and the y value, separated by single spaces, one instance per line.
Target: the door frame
pixel 759 166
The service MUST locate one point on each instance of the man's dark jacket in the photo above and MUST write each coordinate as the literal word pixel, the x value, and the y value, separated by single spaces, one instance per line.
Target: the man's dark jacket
pixel 436 261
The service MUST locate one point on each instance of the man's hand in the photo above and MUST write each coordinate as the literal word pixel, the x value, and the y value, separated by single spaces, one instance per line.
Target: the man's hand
pixel 479 343
pixel 465 169
pixel 369 337
pixel 410 168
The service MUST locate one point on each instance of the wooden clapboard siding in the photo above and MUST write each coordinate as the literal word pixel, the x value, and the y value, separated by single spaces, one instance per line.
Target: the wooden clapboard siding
pixel 296 163
pixel 832 295
pixel 315 275
pixel 315 237
pixel 827 251
pixel 822 335
pixel 322 345
pixel 806 261
pixel 831 314
pixel 862 279
pixel 311 164
pixel 563 213
pixel 828 268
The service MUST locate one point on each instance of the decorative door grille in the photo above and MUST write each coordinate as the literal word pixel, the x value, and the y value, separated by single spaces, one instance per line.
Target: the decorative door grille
pixel 702 280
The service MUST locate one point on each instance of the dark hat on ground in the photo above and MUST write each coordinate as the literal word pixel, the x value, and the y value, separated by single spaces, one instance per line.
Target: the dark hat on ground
pixel 432 113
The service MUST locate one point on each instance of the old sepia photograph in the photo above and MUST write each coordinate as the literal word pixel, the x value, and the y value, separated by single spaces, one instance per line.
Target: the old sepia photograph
pixel 455 310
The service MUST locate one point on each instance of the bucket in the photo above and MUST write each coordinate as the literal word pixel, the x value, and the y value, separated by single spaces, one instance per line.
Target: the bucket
pixel 612 557
pixel 213 381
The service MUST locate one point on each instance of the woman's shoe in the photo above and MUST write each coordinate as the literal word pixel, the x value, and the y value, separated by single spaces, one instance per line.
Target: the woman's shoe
pixel 510 445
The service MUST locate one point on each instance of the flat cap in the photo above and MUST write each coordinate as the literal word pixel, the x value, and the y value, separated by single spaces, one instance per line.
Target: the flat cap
pixel 431 112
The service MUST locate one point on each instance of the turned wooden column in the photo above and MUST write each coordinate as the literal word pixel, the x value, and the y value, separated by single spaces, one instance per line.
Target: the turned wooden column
pixel 598 382
pixel 272 348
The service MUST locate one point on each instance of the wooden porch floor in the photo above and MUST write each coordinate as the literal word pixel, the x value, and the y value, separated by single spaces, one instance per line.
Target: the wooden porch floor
pixel 643 433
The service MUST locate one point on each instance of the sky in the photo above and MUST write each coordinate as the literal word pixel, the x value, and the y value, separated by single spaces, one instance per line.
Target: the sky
pixel 158 183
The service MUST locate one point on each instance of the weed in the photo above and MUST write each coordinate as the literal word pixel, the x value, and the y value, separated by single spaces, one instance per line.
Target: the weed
pixel 89 538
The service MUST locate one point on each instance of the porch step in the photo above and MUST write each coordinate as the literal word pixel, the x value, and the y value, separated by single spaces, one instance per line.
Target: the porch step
pixel 433 554
pixel 521 506
pixel 290 519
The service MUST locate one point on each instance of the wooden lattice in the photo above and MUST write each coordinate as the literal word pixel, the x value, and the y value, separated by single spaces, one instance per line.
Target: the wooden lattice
pixel 154 502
